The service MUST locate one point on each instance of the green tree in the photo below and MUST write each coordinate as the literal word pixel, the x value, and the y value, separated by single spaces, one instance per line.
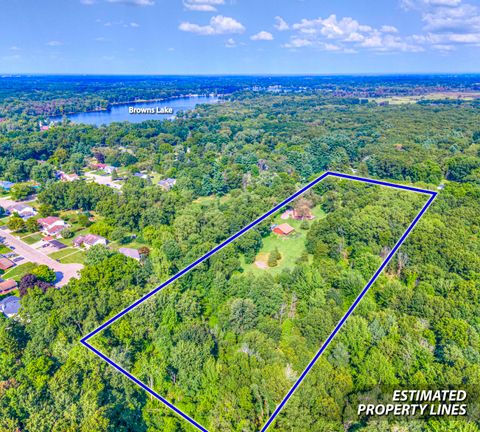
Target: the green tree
pixel 44 273
pixel 16 224
pixel 32 225
pixel 21 191
pixel 274 257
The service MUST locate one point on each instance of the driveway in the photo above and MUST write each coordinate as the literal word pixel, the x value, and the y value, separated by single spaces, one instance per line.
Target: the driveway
pixel 6 202
pixel 64 272
pixel 103 180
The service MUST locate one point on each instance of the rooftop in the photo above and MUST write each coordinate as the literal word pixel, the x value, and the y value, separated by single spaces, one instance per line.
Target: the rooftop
pixel 129 252
pixel 10 306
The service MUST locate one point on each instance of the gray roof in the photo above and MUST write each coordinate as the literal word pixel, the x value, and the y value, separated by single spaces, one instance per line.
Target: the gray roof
pixel 129 252
pixel 10 306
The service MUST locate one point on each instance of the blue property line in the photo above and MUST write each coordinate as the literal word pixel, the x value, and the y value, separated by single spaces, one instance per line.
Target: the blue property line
pixel 205 257
pixel 349 312
pixel 381 183
pixel 229 240
pixel 145 387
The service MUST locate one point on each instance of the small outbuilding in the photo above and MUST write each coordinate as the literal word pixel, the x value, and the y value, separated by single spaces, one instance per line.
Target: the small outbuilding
pixel 130 252
pixel 283 229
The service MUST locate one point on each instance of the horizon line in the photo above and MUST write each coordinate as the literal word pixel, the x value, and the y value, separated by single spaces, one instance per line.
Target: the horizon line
pixel 256 74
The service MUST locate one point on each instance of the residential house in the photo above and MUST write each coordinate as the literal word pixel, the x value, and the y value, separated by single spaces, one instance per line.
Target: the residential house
pixel 52 226
pixel 130 253
pixel 10 306
pixel 89 240
pixel 23 210
pixel 283 229
pixel 167 184
pixel 103 167
pixel 50 241
pixel 7 286
pixel 5 264
pixel 68 177
pixel 141 175
pixel 6 185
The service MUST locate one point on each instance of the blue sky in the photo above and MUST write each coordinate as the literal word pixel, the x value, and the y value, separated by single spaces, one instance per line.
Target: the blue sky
pixel 239 36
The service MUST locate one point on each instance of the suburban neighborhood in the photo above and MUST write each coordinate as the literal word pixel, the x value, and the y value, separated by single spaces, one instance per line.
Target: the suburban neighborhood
pixel 30 237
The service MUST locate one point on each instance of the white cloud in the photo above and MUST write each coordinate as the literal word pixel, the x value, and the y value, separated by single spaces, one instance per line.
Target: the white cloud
pixel 218 25
pixel 447 22
pixel 121 23
pixel 230 43
pixel 296 42
pixel 87 2
pixel 388 29
pixel 347 35
pixel 54 43
pixel 14 48
pixel 134 2
pixel 262 36
pixel 203 5
pixel 281 24
pixel 444 2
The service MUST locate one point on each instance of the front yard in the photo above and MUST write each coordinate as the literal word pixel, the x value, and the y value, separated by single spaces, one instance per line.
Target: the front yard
pixel 19 271
pixel 290 248
pixel 69 256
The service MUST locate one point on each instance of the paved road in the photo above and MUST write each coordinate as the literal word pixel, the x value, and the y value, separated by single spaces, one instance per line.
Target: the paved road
pixel 6 202
pixel 64 271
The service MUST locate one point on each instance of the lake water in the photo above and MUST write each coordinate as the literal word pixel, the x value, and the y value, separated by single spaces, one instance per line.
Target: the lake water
pixel 120 113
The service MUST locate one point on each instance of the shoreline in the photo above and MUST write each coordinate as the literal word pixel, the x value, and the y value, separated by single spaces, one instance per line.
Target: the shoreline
pixel 138 101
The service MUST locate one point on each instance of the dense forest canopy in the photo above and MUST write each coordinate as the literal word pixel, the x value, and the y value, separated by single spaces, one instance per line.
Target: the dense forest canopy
pixel 417 328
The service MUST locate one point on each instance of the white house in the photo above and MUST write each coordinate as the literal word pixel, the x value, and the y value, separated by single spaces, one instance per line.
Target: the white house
pixel 23 210
pixel 89 240
pixel 52 226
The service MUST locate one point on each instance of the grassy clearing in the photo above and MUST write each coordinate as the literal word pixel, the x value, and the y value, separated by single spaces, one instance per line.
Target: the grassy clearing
pixel 31 238
pixel 19 271
pixel 62 253
pixel 290 248
pixel 4 249
pixel 134 244
pixel 69 256
pixel 77 257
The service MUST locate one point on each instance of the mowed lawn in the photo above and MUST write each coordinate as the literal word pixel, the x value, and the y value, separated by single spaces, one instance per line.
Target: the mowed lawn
pixel 31 238
pixel 19 271
pixel 290 248
pixel 4 249
pixel 69 256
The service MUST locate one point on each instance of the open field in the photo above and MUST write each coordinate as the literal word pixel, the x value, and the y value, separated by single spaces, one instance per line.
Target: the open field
pixel 402 100
pixel 290 248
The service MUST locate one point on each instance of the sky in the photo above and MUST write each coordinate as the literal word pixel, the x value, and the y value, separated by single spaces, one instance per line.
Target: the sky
pixel 239 36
